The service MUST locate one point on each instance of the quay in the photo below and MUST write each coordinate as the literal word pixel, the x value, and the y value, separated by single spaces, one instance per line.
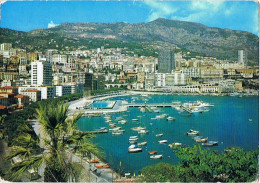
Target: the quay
pixel 150 105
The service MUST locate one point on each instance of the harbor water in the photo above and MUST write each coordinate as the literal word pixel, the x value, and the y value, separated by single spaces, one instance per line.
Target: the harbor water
pixel 233 121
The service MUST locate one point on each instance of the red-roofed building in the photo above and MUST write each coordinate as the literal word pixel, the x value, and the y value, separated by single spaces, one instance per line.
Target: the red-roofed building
pixel 9 96
pixel 22 100
pixel 9 89
pixel 34 94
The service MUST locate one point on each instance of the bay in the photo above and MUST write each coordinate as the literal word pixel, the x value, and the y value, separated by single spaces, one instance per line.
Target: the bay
pixel 227 122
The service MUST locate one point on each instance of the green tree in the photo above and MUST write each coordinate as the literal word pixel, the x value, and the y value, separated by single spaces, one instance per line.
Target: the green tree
pixel 59 134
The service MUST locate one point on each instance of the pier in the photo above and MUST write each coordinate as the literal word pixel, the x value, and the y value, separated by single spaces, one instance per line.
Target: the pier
pixel 150 105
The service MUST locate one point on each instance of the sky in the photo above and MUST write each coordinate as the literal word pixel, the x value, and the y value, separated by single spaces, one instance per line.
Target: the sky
pixel 29 15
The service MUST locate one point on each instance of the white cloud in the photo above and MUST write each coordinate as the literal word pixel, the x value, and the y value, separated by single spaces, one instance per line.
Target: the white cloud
pixel 2 1
pixel 51 24
pixel 159 9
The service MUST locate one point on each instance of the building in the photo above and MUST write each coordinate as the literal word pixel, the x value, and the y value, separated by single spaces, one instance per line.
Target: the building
pixel 6 46
pixel 166 61
pixel 241 56
pixel 191 72
pixel 22 100
pixel 63 90
pixel 41 73
pixel 149 81
pixel 59 59
pixel 9 89
pixel 33 94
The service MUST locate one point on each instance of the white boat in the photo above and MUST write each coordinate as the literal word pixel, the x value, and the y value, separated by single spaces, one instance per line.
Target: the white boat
pixel 161 116
pixel 201 139
pixel 102 128
pixel 250 120
pixel 159 135
pixel 117 133
pixel 158 156
pixel 192 132
pixel 122 121
pixel 143 131
pixel 142 143
pixel 115 129
pixel 134 119
pixel 170 118
pixel 134 149
pixel 210 143
pixel 138 128
pixel 156 110
pixel 108 121
pixel 119 118
pixel 162 141
pixel 133 137
pixel 175 144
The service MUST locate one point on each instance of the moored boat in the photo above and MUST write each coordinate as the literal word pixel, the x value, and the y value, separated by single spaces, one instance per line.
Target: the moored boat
pixel 210 143
pixel 170 118
pixel 162 141
pixel 94 161
pixel 152 152
pixel 142 143
pixel 102 166
pixel 134 149
pixel 175 144
pixel 201 139
pixel 158 156
pixel 134 119
pixel 159 135
pixel 143 131
pixel 192 132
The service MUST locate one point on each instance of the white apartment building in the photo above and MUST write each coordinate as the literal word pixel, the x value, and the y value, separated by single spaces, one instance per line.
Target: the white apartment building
pixel 63 90
pixel 46 91
pixel 41 73
pixel 191 72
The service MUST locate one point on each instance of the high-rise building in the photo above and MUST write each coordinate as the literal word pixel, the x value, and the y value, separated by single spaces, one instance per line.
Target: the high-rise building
pixel 41 73
pixel 241 56
pixel 166 61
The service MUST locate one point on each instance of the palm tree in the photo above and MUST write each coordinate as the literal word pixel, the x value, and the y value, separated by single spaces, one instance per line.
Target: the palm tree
pixel 50 147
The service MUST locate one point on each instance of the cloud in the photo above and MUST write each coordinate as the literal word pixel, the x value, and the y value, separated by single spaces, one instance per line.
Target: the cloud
pixel 51 25
pixel 2 1
pixel 160 9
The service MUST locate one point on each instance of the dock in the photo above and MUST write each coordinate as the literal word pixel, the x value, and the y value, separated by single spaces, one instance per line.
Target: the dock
pixel 150 105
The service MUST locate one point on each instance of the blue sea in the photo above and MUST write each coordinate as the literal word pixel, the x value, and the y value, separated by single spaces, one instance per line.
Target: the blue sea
pixel 227 122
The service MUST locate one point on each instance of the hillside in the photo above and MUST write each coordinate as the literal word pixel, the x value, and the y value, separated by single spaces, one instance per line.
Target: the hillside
pixel 209 41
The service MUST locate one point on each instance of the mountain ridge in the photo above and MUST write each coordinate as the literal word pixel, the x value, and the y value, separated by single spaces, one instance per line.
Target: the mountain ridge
pixel 196 37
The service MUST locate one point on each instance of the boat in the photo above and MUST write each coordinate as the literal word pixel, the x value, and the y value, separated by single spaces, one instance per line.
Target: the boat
pixel 161 116
pixel 153 118
pixel 186 115
pixel 112 125
pixel 159 135
pixel 192 132
pixel 108 121
pixel 138 128
pixel 119 118
pixel 250 120
pixel 94 161
pixel 159 156
pixel 210 143
pixel 134 119
pixel 117 133
pixel 170 118
pixel 115 129
pixel 143 131
pixel 156 110
pixel 134 149
pixel 102 166
pixel 142 143
pixel 152 152
pixel 162 141
pixel 102 128
pixel 197 137
pixel 175 144
pixel 201 139
pixel 142 109
pixel 122 121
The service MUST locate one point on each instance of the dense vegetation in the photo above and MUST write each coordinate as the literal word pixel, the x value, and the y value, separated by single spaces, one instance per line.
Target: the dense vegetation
pixel 203 165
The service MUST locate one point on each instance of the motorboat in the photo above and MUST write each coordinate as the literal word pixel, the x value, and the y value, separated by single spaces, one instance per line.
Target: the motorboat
pixel 158 156
pixel 134 119
pixel 192 132
pixel 210 143
pixel 175 144
pixel 138 128
pixel 250 120
pixel 117 133
pixel 94 161
pixel 161 116
pixel 115 129
pixel 112 125
pixel 170 118
pixel 162 141
pixel 122 121
pixel 159 135
pixel 134 149
pixel 152 152
pixel 142 143
pixel 102 166
pixel 201 139
pixel 143 131
pixel 156 110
